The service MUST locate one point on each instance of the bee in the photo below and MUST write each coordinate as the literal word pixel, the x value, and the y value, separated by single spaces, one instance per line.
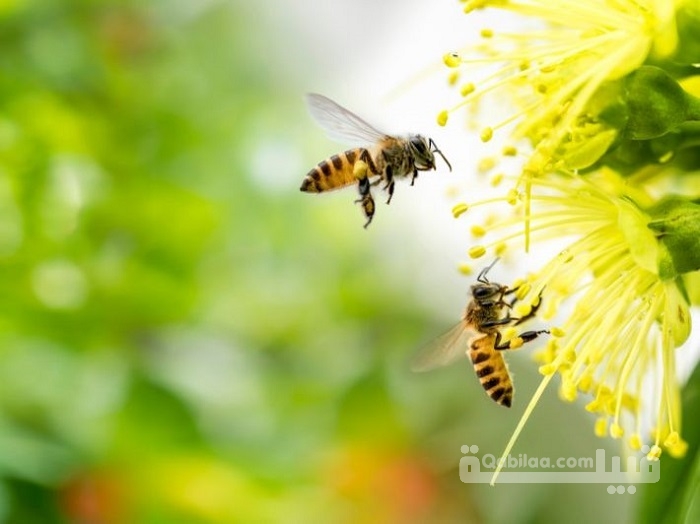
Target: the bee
pixel 382 157
pixel 479 331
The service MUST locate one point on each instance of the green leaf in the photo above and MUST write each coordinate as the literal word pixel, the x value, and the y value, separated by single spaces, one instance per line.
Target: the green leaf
pixel 676 497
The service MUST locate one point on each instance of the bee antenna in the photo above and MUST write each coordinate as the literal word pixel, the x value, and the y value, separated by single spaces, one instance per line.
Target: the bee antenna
pixel 482 275
pixel 436 150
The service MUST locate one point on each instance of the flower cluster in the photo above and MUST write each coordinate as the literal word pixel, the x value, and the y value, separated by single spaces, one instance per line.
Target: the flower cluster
pixel 604 95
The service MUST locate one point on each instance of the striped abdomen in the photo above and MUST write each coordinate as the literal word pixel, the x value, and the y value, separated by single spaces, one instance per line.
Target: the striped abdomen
pixel 333 173
pixel 491 369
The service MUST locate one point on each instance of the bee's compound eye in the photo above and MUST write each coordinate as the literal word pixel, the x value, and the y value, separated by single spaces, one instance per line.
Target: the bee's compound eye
pixel 481 291
pixel 418 143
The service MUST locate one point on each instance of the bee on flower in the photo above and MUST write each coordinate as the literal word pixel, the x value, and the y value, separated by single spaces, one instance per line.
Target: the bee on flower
pixel 631 310
pixel 605 97
pixel 563 80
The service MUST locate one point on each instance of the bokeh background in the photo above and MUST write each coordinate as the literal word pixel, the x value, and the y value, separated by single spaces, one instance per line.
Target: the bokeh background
pixel 187 338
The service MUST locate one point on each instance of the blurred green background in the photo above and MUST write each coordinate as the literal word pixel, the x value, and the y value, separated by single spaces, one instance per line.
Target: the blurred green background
pixel 186 338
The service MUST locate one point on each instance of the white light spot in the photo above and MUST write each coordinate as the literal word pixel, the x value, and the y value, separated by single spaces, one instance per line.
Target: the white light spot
pixel 276 165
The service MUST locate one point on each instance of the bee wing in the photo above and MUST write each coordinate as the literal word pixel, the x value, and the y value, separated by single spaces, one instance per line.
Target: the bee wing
pixel 341 124
pixel 445 349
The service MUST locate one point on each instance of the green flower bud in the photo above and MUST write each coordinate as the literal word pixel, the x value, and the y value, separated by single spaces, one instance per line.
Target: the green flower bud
pixel 656 104
pixel 676 223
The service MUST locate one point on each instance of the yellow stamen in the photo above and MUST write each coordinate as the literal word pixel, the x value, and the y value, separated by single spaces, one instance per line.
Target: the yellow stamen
pixel 601 427
pixel 467 89
pixel 459 209
pixel 477 252
pixel 453 78
pixel 465 269
pixel 526 415
pixel 616 430
pixel 478 231
pixel 635 442
pixel 452 59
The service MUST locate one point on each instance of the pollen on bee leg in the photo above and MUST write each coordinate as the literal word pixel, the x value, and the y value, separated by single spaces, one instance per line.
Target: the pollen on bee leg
pixel 477 251
pixel 359 170
pixel 459 209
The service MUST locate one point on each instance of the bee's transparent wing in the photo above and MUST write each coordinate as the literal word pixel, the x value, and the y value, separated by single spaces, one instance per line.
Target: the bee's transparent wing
pixel 444 350
pixel 341 124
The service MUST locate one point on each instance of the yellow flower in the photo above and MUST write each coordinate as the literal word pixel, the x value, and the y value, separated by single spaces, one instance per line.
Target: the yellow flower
pixel 550 74
pixel 618 344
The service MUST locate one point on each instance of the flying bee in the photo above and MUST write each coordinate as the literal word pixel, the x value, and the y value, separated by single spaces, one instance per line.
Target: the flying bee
pixel 382 157
pixel 479 330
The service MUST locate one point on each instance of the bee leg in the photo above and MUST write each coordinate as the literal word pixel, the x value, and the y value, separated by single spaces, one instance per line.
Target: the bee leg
pixel 389 177
pixel 515 343
pixel 368 208
pixel 415 175
pixel 391 191
pixel 500 322
pixel 366 199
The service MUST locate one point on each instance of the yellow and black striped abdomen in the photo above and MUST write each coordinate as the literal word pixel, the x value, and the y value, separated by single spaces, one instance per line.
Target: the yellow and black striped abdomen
pixel 333 173
pixel 491 369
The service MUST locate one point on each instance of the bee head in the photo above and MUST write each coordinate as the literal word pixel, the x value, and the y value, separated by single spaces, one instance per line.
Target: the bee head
pixel 423 157
pixel 485 293
pixel 423 149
